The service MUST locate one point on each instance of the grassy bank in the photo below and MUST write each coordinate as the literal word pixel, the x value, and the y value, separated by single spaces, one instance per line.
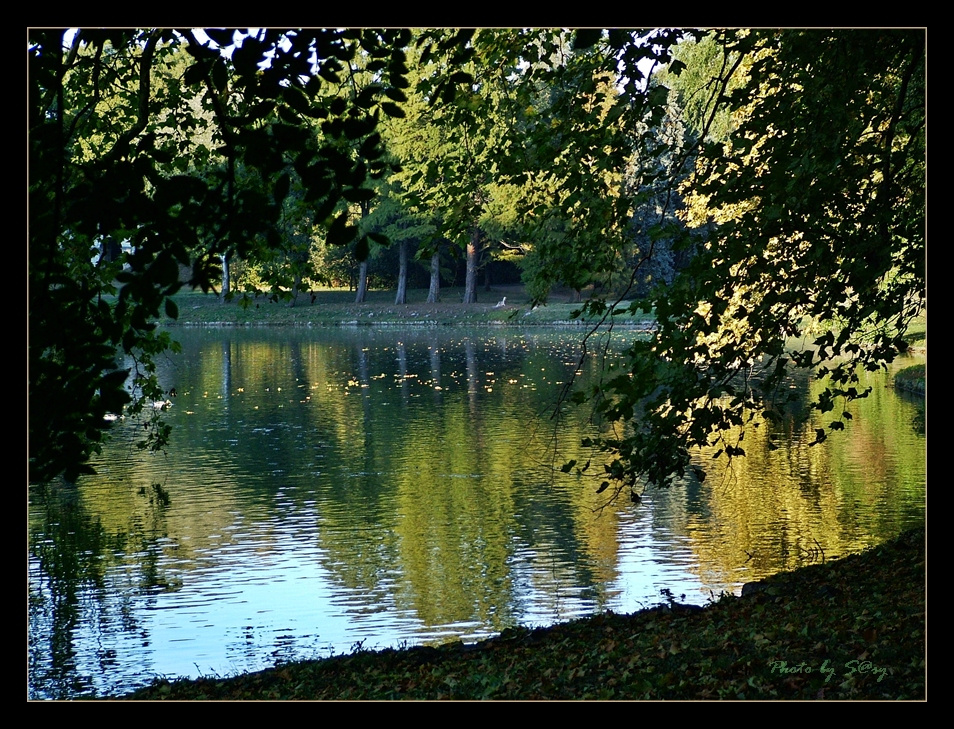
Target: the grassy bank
pixel 850 629
pixel 912 379
pixel 337 308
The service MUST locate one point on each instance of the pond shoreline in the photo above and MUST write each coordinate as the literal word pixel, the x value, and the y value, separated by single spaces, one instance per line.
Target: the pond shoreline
pixel 338 309
pixel 667 652
pixel 638 326
pixel 853 628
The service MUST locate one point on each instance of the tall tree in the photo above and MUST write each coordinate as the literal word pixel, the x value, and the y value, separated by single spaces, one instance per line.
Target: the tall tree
pixel 420 147
pixel 465 77
pixel 699 75
pixel 585 110
pixel 401 227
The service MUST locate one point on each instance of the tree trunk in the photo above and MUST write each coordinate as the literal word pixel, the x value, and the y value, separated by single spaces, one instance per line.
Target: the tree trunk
pixel 365 207
pixel 226 279
pixel 401 296
pixel 434 293
pixel 296 287
pixel 470 281
pixel 362 282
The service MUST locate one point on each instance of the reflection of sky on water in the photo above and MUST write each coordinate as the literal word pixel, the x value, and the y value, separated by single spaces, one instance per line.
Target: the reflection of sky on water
pixel 333 488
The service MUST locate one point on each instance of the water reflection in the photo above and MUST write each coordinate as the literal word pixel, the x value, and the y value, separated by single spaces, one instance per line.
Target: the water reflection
pixel 333 487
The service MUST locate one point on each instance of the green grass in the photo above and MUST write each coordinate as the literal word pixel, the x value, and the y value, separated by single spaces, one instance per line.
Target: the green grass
pixel 337 307
pixel 912 379
pixel 916 336
pixel 849 629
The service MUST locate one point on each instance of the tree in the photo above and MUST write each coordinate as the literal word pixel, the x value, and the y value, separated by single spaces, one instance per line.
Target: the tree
pixel 700 68
pixel 818 201
pixel 661 245
pixel 463 124
pixel 587 111
pixel 402 228
pixel 113 153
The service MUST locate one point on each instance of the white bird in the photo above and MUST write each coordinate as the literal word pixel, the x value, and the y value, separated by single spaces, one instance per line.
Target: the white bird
pixel 502 302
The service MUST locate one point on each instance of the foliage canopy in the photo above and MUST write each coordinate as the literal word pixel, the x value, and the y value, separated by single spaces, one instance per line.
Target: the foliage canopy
pixel 815 255
pixel 793 160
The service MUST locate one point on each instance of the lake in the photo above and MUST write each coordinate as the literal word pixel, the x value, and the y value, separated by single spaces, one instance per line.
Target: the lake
pixel 327 490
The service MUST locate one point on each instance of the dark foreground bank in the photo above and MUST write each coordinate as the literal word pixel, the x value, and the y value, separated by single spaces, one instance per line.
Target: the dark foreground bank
pixel 849 629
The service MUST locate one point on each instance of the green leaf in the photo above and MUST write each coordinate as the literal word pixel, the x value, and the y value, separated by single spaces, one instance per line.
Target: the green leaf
pixel 337 106
pixel 172 309
pixel 462 78
pixel 367 96
pixel 618 37
pixel 281 188
pixel 220 74
pixel 195 74
pixel 392 110
pixel 369 147
pixel 658 96
pixel 362 249
pixel 340 233
pixel 222 37
pixel 297 100
pixel 359 194
pixel 395 94
pixel 585 38
pixel 355 128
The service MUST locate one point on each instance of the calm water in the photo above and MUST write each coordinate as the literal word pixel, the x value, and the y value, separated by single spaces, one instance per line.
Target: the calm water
pixel 329 489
